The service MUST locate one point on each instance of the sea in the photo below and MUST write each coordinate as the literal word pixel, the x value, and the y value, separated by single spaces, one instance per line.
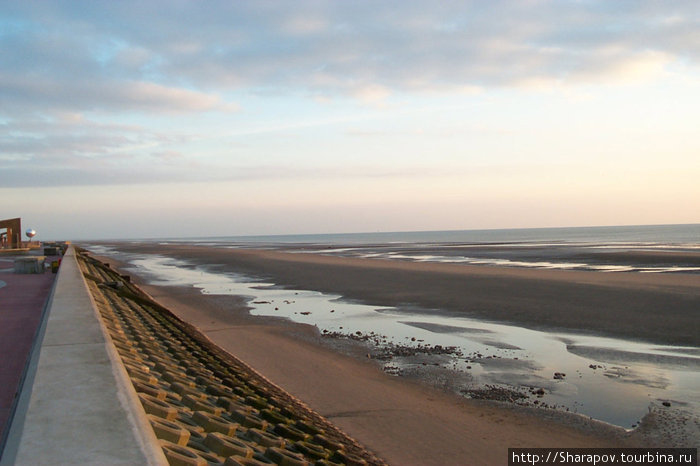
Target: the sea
pixel 646 248
pixel 662 235
pixel 612 380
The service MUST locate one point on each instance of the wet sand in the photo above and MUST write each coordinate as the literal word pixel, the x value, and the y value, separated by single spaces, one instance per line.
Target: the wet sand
pixel 658 308
pixel 402 421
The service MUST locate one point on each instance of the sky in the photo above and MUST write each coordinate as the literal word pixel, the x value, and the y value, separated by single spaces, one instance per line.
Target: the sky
pixel 138 119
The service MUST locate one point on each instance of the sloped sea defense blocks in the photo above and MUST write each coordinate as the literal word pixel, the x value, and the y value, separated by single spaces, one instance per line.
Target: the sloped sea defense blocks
pixel 206 406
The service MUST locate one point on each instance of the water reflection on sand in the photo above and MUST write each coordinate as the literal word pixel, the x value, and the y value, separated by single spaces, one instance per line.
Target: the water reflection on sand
pixel 607 379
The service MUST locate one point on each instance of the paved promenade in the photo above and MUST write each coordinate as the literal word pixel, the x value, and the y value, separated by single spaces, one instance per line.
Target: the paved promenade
pixel 22 301
pixel 74 407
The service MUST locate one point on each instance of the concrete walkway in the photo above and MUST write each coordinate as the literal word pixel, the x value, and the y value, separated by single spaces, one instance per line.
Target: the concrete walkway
pixel 75 407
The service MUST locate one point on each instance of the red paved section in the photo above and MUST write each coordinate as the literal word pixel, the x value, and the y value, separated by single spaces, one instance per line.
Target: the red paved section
pixel 22 301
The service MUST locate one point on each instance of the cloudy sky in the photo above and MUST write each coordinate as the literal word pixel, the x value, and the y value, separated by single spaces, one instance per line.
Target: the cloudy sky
pixel 175 118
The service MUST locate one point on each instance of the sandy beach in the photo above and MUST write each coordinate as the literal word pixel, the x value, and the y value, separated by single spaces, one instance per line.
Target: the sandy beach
pixel 659 308
pixel 406 422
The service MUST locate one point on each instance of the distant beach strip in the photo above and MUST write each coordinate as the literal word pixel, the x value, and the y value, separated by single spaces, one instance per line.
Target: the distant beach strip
pixel 641 249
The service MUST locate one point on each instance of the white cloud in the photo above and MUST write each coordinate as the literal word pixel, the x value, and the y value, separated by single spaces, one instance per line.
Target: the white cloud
pixel 71 71
pixel 639 67
pixel 157 97
pixel 31 93
pixel 305 25
pixel 184 56
pixel 372 93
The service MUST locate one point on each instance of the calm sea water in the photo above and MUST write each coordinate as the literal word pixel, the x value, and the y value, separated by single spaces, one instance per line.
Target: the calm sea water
pixel 681 236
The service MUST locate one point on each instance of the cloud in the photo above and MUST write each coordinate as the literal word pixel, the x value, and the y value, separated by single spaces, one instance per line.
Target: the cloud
pixel 43 93
pixel 184 55
pixel 70 136
pixel 66 63
pixel 72 73
pixel 168 155
pixel 93 162
pixel 372 93
pixel 60 149
pixel 625 69
pixel 150 96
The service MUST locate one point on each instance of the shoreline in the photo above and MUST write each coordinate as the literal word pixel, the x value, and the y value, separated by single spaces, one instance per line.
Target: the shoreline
pixel 620 305
pixel 402 420
pixel 226 320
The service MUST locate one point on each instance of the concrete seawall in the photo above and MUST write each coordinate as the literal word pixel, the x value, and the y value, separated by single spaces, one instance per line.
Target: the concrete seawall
pixel 75 407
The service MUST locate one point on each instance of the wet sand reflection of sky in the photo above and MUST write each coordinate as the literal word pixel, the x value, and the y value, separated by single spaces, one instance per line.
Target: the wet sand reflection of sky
pixel 607 379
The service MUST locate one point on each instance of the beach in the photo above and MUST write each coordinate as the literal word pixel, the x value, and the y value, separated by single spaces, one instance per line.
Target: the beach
pixel 659 308
pixel 406 420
